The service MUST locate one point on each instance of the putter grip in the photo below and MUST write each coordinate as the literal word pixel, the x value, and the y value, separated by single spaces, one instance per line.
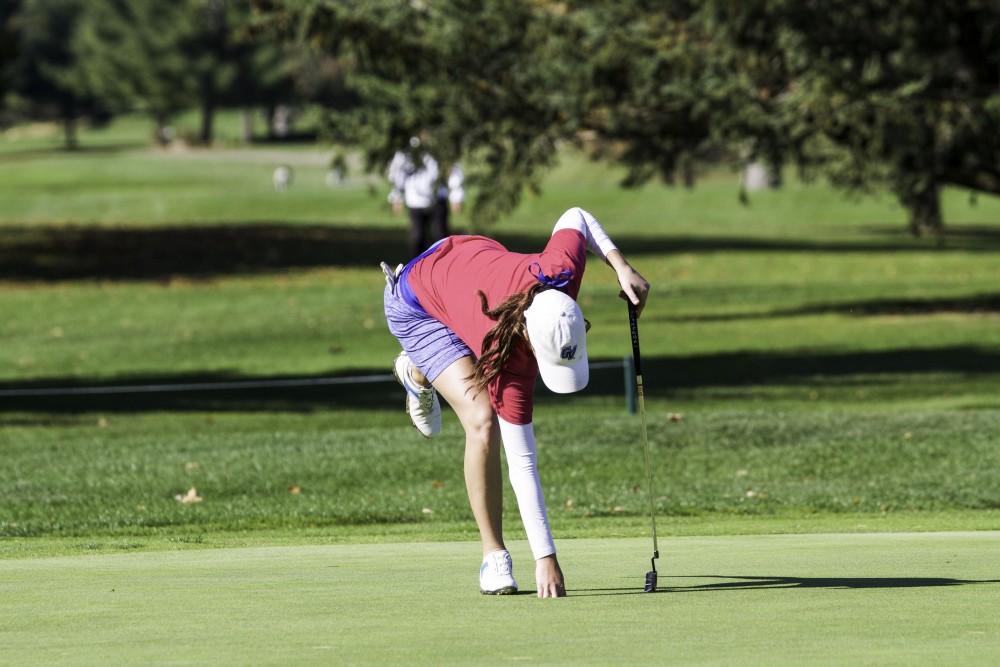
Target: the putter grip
pixel 634 327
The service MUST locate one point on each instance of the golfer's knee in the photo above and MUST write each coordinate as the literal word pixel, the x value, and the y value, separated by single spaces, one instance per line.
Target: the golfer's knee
pixel 480 426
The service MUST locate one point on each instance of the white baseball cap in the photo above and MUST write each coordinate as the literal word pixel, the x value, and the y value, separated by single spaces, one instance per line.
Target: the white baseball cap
pixel 558 335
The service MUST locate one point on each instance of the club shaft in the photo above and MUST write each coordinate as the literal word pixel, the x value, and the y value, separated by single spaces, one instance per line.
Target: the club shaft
pixel 634 327
pixel 649 464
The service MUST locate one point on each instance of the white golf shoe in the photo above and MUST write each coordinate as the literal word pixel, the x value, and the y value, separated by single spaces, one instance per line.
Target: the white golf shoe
pixel 496 574
pixel 421 402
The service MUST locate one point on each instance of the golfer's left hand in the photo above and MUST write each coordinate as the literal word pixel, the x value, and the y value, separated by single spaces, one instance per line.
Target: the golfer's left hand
pixel 549 578
pixel 635 288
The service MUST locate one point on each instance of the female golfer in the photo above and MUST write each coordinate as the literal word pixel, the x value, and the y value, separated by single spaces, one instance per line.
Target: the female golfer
pixel 478 324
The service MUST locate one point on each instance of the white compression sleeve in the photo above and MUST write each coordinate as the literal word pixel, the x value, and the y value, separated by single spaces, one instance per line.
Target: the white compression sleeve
pixel 598 241
pixel 522 467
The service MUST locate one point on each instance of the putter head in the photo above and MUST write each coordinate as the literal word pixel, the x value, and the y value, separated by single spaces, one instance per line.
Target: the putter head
pixel 650 586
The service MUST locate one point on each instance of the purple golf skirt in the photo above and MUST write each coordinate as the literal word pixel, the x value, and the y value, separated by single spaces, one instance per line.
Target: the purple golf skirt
pixel 429 343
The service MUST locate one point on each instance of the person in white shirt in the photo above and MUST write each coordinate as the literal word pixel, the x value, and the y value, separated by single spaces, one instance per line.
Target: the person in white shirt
pixel 418 185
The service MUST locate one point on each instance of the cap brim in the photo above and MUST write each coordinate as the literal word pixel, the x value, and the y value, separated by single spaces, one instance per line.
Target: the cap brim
pixel 565 379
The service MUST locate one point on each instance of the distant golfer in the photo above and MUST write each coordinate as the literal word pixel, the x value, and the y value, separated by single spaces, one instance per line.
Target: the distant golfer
pixel 428 195
pixel 478 324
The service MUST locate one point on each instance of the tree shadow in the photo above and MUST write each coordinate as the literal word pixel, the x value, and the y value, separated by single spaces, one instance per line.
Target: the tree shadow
pixel 13 153
pixel 983 234
pixel 198 392
pixel 54 253
pixel 663 374
pixel 31 252
pixel 976 304
pixel 749 583
pixel 374 389
pixel 888 238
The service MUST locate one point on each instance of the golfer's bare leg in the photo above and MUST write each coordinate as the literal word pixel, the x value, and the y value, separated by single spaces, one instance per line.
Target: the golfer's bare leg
pixel 417 376
pixel 483 479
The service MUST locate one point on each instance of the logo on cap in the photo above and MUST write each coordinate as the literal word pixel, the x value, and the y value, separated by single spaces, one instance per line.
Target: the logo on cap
pixel 568 352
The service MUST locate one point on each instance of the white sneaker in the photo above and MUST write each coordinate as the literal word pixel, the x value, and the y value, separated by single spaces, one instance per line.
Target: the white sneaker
pixel 421 402
pixel 496 574
pixel 391 275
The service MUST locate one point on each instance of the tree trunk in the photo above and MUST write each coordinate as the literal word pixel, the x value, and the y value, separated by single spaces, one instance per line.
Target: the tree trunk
pixel 269 120
pixel 248 126
pixel 207 121
pixel 924 207
pixel 775 178
pixel 69 128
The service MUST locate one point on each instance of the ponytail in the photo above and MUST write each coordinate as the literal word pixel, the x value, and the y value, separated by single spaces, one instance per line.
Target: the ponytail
pixel 500 341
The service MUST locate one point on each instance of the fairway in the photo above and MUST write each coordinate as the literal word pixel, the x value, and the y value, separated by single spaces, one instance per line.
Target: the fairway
pixel 902 598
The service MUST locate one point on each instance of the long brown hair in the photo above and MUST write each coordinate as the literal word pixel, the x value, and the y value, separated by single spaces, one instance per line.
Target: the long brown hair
pixel 500 341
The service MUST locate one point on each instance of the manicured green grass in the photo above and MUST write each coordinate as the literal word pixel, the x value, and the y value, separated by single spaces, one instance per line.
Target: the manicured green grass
pixel 822 364
pixel 888 599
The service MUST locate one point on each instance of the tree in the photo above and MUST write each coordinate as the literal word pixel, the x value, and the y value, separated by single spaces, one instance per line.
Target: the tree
pixel 897 93
pixel 662 94
pixel 489 79
pixel 133 54
pixel 8 52
pixel 47 78
pixel 165 56
pixel 235 63
pixel 903 93
pixel 212 57
pixel 642 83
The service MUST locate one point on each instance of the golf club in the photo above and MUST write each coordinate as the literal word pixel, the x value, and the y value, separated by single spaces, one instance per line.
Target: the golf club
pixel 650 586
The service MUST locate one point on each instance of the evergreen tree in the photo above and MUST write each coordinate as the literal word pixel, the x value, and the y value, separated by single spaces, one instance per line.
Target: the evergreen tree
pixel 133 53
pixel 47 77
pixel 164 56
pixel 212 57
pixel 8 54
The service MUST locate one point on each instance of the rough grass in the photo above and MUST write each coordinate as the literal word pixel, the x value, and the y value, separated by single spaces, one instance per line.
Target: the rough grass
pixel 122 473
pixel 803 356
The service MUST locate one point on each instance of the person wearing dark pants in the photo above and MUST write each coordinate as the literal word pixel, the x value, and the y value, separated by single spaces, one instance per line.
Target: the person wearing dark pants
pixel 427 225
pixel 418 185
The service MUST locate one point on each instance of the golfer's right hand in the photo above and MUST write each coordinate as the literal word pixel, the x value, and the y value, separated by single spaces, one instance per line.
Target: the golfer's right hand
pixel 549 578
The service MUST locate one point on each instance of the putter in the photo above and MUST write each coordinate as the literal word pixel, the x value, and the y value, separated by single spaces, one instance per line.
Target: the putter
pixel 650 586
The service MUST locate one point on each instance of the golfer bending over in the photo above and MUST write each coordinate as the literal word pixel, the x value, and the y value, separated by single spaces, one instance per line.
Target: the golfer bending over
pixel 478 323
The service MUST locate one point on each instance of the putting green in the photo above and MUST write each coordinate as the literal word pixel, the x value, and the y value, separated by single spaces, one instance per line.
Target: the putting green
pixel 929 598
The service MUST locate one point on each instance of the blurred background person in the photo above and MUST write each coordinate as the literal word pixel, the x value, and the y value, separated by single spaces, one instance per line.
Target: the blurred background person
pixel 428 196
